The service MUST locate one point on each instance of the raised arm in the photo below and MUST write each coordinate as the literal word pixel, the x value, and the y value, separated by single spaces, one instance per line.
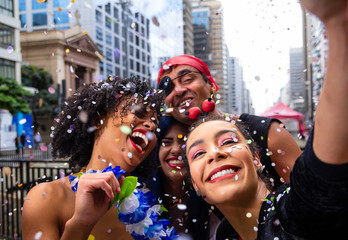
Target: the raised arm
pixel 331 131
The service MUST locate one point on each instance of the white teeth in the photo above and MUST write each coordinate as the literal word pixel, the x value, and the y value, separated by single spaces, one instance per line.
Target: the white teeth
pixel 222 173
pixel 139 134
pixel 186 102
pixel 176 162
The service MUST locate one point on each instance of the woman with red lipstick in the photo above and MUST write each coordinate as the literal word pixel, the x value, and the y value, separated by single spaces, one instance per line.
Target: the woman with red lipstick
pixel 189 214
pixel 314 205
pixel 112 122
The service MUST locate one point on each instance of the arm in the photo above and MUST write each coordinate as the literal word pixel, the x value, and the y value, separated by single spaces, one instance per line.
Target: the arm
pixel 284 150
pixel 53 209
pixel 40 214
pixel 331 131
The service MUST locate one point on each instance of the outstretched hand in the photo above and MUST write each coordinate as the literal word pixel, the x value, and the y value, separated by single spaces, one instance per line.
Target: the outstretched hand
pixel 93 196
pixel 329 11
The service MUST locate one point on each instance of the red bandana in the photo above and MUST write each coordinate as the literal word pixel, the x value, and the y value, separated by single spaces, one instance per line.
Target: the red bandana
pixel 190 61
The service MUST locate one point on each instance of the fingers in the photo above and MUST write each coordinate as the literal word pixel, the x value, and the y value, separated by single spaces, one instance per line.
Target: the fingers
pixel 106 182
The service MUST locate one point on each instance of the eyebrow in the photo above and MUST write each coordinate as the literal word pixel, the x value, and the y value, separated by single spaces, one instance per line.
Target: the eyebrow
pixel 184 72
pixel 215 136
pixel 195 144
pixel 167 138
pixel 223 132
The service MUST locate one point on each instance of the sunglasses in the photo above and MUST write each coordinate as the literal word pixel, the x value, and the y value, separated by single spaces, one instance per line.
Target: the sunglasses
pixel 167 85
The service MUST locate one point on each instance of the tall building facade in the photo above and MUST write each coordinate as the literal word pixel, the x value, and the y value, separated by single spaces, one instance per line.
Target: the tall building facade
pixel 188 28
pixel 217 47
pixel 201 28
pixel 297 79
pixel 235 96
pixel 130 34
pixel 10 56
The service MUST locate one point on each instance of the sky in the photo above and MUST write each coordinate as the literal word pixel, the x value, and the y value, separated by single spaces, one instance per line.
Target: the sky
pixel 260 33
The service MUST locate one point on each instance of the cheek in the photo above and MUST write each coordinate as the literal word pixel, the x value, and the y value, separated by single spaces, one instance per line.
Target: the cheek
pixel 196 171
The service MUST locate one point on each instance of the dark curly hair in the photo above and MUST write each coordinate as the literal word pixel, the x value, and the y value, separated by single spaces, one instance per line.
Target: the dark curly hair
pixel 73 136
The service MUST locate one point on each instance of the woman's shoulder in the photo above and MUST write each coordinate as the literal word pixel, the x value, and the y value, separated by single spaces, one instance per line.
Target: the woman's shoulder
pixel 50 193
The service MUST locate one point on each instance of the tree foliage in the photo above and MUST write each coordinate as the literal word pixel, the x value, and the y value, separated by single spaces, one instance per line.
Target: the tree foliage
pixel 43 101
pixel 13 96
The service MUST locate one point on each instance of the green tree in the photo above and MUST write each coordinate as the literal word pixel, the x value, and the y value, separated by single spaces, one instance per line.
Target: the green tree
pixel 13 96
pixel 43 102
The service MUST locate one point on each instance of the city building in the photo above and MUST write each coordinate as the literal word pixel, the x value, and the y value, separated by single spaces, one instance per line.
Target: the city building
pixel 297 79
pixel 201 28
pixel 133 45
pixel 217 47
pixel 188 28
pixel 10 55
pixel 235 96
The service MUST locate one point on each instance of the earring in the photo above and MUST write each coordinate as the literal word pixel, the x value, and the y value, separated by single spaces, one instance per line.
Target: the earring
pixel 212 94
pixel 198 193
pixel 259 170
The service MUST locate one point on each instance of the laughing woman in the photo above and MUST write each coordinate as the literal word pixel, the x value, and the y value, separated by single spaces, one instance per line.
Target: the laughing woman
pixel 107 123
pixel 225 169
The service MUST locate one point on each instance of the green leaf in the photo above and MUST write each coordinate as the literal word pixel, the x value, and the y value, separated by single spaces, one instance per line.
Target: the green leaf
pixel 127 188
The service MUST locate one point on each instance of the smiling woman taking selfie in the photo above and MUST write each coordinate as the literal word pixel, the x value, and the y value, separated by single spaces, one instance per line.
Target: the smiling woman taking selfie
pixel 224 167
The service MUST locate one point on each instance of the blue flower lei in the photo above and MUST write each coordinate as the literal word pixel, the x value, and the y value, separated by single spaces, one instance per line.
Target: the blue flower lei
pixel 137 208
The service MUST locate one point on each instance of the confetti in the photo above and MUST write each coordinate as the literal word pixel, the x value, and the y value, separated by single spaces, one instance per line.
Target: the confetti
pixel 51 90
pixel 43 148
pixel 38 235
pixel 181 206
pixel 22 121
pixel 83 116
pixel 126 129
pixel 248 215
pixel 130 155
pixel 10 49
pixel 149 135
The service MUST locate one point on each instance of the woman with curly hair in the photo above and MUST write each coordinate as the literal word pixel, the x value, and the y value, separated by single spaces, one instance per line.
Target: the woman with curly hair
pixel 112 122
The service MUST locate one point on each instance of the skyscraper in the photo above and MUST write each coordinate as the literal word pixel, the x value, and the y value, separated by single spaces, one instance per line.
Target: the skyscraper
pixel 10 56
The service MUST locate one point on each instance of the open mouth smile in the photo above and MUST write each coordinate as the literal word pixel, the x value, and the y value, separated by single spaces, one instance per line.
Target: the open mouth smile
pixel 139 140
pixel 175 163
pixel 185 103
pixel 221 173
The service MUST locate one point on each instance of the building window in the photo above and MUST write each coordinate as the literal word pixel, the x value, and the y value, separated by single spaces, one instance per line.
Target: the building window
pixel 138 67
pixel 100 47
pixel 131 51
pixel 108 39
pixel 107 22
pixel 131 35
pixel 7 69
pixel 116 13
pixel 6 7
pixel 23 18
pixel 131 64
pixel 98 17
pixel 109 54
pixel 38 5
pixel 116 28
pixel 124 46
pixel 6 36
pixel 101 67
pixel 124 29
pixel 61 17
pixel 99 33
pixel 117 43
pixel 137 40
pixel 39 19
pixel 22 5
pixel 137 54
pixel 60 3
pixel 107 8
pixel 117 71
pixel 108 69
